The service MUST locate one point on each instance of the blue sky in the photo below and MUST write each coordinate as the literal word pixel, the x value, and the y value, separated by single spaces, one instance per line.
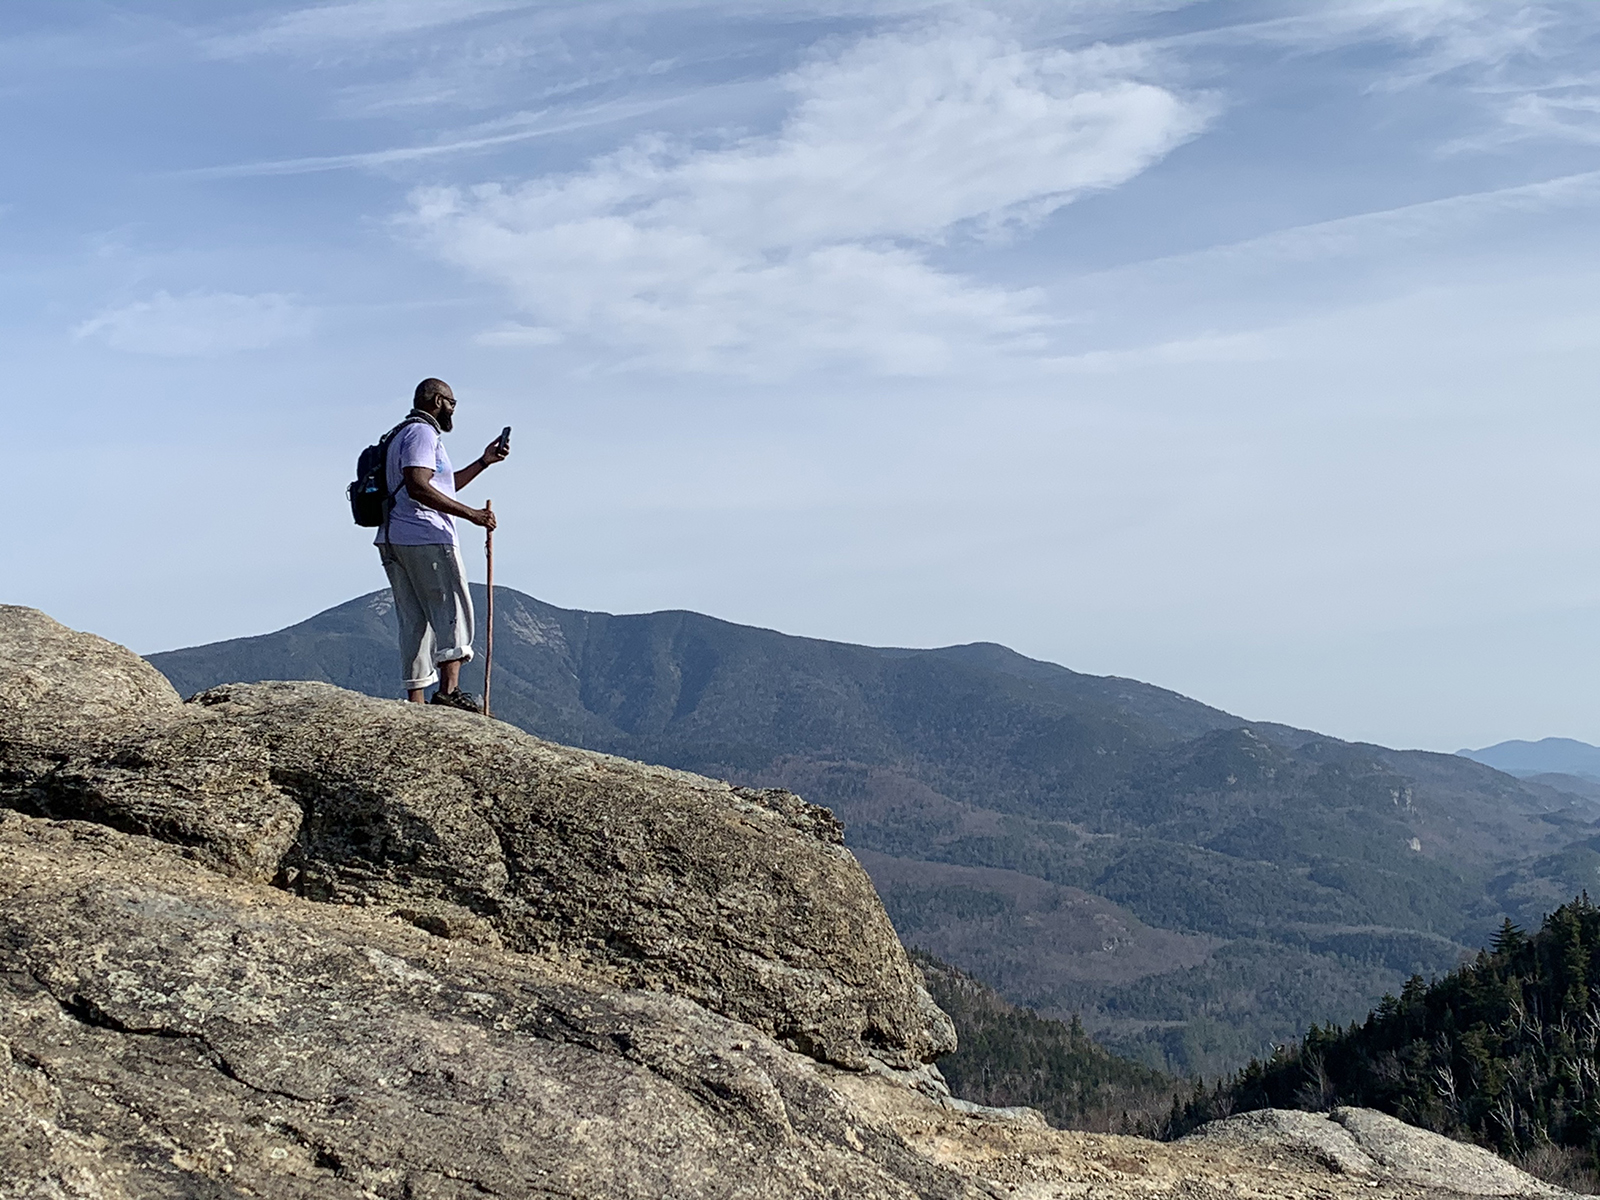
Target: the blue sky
pixel 1249 349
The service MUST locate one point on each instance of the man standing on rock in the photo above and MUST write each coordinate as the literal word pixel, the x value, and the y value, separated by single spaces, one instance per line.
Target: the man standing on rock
pixel 419 550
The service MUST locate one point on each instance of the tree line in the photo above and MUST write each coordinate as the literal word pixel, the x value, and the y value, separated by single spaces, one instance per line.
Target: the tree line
pixel 1503 1052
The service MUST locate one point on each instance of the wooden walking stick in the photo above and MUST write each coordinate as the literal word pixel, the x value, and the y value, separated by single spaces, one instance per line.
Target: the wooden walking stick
pixel 488 649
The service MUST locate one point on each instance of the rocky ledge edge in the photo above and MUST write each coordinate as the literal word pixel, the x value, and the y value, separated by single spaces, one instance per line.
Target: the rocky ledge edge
pixel 283 940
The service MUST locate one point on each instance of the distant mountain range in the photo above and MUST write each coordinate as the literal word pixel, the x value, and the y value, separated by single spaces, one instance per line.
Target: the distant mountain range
pixel 1552 756
pixel 1197 886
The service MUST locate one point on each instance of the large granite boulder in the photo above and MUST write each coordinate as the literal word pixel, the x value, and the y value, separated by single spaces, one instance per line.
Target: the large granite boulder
pixel 55 681
pixel 73 710
pixel 745 901
pixel 167 1031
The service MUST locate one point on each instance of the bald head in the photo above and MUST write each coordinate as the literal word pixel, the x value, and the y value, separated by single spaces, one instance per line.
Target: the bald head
pixel 434 397
pixel 426 391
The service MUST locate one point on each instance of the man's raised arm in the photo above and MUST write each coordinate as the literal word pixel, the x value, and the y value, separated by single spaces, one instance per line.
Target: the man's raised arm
pixel 492 453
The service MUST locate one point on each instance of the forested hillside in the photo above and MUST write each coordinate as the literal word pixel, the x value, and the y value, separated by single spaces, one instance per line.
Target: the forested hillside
pixel 1504 1051
pixel 1198 887
pixel 1007 1056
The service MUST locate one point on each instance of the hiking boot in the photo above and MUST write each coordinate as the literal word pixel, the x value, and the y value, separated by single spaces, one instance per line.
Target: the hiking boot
pixel 457 699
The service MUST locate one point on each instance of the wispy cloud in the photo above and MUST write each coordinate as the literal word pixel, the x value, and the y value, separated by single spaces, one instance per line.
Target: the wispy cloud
pixel 319 26
pixel 1256 299
pixel 1211 348
pixel 511 334
pixel 199 324
pixel 817 242
pixel 1383 230
pixel 1569 112
pixel 1441 35
pixel 518 127
pixel 1527 64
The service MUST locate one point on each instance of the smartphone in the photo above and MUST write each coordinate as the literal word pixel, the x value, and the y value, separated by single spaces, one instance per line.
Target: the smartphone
pixel 505 438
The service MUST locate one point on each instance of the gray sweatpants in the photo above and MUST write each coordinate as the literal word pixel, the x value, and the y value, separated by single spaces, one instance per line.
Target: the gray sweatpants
pixel 433 606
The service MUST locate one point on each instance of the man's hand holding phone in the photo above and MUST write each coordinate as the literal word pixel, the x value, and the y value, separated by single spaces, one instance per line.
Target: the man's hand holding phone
pixel 497 450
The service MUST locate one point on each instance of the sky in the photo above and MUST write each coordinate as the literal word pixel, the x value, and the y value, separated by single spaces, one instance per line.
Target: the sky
pixel 1249 349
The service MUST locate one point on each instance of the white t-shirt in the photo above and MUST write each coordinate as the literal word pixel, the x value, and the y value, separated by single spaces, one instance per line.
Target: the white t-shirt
pixel 413 524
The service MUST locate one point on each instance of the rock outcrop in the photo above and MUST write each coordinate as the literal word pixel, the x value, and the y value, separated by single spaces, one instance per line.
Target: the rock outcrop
pixel 287 941
pixel 168 1025
pixel 743 900
pixel 1366 1144
pixel 55 681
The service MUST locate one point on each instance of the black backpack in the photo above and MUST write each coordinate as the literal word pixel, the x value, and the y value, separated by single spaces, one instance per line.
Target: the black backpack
pixel 370 497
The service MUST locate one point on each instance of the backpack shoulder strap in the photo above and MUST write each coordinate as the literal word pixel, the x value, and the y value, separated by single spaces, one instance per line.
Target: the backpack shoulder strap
pixel 411 420
pixel 383 445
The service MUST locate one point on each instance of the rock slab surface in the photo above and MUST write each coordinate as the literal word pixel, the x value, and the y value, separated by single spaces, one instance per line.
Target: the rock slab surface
pixel 282 941
pixel 1367 1144
pixel 743 900
pixel 170 1031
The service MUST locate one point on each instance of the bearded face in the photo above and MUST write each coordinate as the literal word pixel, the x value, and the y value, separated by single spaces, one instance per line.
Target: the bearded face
pixel 443 407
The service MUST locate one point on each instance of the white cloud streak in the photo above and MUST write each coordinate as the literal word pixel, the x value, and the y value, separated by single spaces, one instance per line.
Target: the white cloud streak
pixel 532 126
pixel 199 324
pixel 1570 113
pixel 359 21
pixel 1527 64
pixel 510 334
pixel 815 243
pixel 1241 301
pixel 1444 34
pixel 1391 228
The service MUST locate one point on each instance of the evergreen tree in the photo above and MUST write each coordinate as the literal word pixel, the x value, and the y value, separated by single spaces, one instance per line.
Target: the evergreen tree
pixel 1504 1051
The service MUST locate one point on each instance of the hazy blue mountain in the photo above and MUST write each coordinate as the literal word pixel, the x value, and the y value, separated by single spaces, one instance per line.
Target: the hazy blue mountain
pixel 1196 885
pixel 1547 756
